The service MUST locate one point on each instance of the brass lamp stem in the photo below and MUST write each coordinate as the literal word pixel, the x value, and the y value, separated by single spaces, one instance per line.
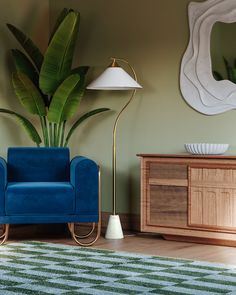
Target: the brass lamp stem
pixel 114 136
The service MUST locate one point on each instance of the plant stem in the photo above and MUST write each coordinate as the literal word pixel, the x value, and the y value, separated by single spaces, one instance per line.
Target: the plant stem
pixel 63 133
pixel 51 135
pixel 46 131
pixel 66 143
pixel 59 133
pixel 55 134
pixel 43 130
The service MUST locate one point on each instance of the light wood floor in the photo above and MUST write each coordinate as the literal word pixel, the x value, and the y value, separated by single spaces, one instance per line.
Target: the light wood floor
pixel 139 243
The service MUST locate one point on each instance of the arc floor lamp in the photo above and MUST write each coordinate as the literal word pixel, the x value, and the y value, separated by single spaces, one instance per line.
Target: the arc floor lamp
pixel 116 78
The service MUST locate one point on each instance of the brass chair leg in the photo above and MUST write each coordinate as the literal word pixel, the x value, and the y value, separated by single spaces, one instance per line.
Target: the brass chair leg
pixel 5 232
pixel 85 235
pixel 71 226
pixel 78 237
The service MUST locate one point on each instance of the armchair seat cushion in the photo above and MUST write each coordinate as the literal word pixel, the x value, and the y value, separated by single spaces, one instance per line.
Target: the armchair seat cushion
pixel 39 198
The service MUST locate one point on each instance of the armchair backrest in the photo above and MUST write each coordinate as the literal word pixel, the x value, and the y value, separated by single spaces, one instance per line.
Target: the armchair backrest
pixel 34 164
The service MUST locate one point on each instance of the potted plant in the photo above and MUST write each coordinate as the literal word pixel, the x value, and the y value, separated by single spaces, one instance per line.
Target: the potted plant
pixel 46 85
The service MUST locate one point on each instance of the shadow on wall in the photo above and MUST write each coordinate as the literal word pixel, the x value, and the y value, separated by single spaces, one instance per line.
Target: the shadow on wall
pixel 134 188
pixel 30 20
pixel 106 188
pixel 128 191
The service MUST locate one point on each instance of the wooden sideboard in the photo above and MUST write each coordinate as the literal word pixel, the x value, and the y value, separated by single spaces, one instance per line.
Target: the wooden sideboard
pixel 189 198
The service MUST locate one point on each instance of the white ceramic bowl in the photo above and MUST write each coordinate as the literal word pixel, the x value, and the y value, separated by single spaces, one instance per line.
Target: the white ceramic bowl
pixel 206 148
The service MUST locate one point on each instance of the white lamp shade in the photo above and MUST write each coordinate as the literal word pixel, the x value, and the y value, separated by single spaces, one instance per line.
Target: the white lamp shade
pixel 114 78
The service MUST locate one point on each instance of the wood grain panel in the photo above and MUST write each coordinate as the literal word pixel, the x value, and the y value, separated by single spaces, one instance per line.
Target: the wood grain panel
pixel 174 182
pixel 186 156
pixel 167 206
pixel 208 177
pixel 196 201
pixel 168 171
pixel 212 208
pixel 195 160
pixel 209 207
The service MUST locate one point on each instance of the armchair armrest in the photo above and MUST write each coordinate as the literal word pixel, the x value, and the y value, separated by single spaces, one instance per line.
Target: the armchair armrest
pixel 84 176
pixel 3 183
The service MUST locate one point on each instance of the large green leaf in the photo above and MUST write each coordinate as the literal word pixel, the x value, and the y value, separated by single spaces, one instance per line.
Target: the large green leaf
pixel 29 46
pixel 28 94
pixel 58 57
pixel 29 128
pixel 80 89
pixel 82 71
pixel 24 65
pixel 66 99
pixel 59 20
pixel 81 119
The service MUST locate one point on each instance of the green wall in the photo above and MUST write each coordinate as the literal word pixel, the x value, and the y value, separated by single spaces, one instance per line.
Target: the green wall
pixel 152 35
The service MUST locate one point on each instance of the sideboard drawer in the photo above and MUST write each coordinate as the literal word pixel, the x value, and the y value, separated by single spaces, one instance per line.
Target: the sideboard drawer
pixel 212 177
pixel 167 206
pixel 167 171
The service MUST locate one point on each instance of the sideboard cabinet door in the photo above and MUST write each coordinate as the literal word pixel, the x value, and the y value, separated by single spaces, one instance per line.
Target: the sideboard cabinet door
pixel 212 198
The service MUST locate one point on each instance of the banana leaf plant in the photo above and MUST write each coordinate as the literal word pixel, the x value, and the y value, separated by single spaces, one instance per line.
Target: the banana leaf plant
pixel 47 86
pixel 230 71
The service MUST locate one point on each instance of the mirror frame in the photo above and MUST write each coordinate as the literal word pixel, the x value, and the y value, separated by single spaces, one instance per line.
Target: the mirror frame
pixel 197 84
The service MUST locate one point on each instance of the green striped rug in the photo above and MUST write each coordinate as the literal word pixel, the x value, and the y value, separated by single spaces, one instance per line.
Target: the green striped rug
pixel 44 268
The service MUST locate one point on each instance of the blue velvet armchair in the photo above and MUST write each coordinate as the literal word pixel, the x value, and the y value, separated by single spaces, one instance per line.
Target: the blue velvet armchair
pixel 42 185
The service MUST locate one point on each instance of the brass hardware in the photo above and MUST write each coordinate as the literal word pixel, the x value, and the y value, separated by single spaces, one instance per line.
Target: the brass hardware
pixel 114 63
pixel 5 232
pixel 85 235
pixel 77 238
pixel 114 135
pixel 72 226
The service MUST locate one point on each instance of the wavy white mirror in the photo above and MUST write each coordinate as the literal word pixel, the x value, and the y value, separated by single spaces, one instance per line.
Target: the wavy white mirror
pixel 198 86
